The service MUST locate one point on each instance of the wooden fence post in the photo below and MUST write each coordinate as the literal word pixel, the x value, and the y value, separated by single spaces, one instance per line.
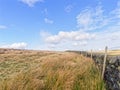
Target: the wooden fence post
pixel 104 63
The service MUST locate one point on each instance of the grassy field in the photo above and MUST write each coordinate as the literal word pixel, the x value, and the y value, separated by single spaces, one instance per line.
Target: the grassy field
pixel 109 52
pixel 44 70
pixel 114 52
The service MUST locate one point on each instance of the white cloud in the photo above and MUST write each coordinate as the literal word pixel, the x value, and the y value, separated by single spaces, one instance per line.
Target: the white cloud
pixel 68 8
pixel 68 36
pixel 96 29
pixel 92 18
pixel 31 3
pixel 48 21
pixel 3 27
pixel 52 46
pixel 81 43
pixel 115 14
pixel 117 10
pixel 45 11
pixel 21 45
pixel 96 18
pixel 109 37
pixel 53 39
pixel 44 34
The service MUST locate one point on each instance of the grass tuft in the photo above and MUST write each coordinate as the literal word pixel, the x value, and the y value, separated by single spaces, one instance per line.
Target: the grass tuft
pixel 50 71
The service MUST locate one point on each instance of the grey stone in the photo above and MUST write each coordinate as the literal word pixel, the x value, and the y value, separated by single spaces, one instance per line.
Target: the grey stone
pixel 112 70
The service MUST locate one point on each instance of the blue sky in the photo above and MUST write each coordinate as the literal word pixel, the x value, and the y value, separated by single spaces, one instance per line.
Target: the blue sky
pixel 59 24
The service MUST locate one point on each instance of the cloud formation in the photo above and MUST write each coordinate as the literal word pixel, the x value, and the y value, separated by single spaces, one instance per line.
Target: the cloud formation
pixel 31 3
pixel 21 45
pixel 95 28
pixel 92 18
pixel 68 8
pixel 2 27
pixel 109 37
pixel 69 36
pixel 48 21
pixel 81 43
pixel 45 11
pixel 96 18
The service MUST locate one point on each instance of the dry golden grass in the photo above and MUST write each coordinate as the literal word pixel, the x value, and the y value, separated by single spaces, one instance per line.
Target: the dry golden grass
pixel 114 52
pixel 109 52
pixel 44 70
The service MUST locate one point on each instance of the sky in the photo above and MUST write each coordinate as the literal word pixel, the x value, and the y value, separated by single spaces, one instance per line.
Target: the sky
pixel 60 24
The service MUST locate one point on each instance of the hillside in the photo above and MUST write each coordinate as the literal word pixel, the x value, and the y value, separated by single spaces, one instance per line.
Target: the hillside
pixel 45 70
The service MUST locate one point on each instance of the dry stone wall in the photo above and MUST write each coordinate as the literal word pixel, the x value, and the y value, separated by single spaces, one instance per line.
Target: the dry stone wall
pixel 112 70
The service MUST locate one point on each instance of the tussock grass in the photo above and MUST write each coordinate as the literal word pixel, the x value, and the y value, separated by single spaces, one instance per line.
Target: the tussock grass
pixel 48 71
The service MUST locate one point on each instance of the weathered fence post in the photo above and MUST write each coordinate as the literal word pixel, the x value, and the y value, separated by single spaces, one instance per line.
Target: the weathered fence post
pixel 104 63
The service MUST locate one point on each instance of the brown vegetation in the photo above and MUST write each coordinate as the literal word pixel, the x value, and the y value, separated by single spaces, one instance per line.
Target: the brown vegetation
pixel 44 70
